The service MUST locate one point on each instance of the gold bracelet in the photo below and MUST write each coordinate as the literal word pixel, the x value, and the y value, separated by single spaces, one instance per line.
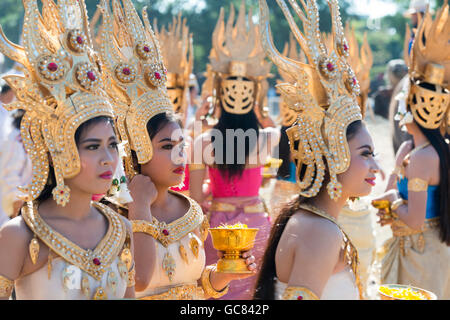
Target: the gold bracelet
pixel 145 227
pixel 417 185
pixel 6 287
pixel 131 277
pixel 207 287
pixel 193 166
pixel 299 293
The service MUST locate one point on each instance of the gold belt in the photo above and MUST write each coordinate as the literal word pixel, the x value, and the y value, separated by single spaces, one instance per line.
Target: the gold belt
pixel 183 292
pixel 400 229
pixel 228 207
pixel 283 185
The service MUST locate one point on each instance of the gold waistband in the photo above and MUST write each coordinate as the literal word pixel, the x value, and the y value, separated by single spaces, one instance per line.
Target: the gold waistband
pixel 183 292
pixel 283 185
pixel 228 207
pixel 400 229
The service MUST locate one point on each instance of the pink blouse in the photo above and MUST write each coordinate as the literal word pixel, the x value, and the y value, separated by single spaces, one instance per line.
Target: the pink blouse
pixel 246 185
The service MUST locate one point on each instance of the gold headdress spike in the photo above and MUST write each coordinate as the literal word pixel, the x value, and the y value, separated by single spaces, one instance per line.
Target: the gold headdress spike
pixel 61 89
pixel 238 64
pixel 137 76
pixel 288 115
pixel 361 62
pixel 324 93
pixel 178 54
pixel 430 63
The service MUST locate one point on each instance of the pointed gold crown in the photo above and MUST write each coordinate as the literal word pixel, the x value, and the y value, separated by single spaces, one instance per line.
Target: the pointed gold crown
pixel 62 88
pixel 237 54
pixel 430 63
pixel 134 64
pixel 323 92
pixel 361 61
pixel 288 115
pixel 178 53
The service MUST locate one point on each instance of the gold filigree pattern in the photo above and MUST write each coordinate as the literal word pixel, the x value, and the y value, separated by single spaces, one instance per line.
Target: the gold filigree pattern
pixel 95 262
pixel 58 90
pixel 183 292
pixel 299 293
pixel 417 185
pixel 322 91
pixel 6 287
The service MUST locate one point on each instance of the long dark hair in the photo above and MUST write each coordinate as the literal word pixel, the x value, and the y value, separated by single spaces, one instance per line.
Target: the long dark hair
pixel 442 148
pixel 245 122
pixel 285 154
pixel 51 181
pixel 265 285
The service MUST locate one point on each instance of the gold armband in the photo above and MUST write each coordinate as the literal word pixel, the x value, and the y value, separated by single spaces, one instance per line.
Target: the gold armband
pixel 299 293
pixel 145 227
pixel 131 277
pixel 193 166
pixel 206 284
pixel 417 185
pixel 6 287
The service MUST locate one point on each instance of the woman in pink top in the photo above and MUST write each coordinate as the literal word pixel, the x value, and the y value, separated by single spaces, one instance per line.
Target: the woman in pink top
pixel 234 151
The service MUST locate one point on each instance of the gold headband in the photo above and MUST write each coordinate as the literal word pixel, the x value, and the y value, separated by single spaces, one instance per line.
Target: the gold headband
pixel 430 63
pixel 61 89
pixel 133 61
pixel 323 93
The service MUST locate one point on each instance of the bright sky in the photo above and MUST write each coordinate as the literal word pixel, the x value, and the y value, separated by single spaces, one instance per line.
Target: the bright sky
pixel 374 8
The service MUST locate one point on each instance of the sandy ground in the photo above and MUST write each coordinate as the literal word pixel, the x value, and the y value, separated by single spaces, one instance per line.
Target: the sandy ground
pixel 381 135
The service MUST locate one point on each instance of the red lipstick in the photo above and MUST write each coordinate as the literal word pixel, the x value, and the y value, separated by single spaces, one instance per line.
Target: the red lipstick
pixel 106 175
pixel 371 181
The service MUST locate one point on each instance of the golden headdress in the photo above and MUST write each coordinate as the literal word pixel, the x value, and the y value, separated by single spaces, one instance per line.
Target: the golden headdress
pixel 61 89
pixel 323 92
pixel 237 54
pixel 288 115
pixel 361 60
pixel 430 63
pixel 133 61
pixel 178 53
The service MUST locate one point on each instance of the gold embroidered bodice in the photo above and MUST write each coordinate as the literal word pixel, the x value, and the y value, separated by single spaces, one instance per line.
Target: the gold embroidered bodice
pixel 180 255
pixel 73 272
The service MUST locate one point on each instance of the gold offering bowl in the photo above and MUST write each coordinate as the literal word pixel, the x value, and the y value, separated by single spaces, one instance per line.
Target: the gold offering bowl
pixel 384 296
pixel 232 242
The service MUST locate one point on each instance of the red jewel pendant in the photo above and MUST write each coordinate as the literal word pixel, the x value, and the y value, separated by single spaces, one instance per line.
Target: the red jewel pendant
pixel 157 75
pixel 146 49
pixel 126 71
pixel 96 261
pixel 300 298
pixel 80 40
pixel 330 67
pixel 91 76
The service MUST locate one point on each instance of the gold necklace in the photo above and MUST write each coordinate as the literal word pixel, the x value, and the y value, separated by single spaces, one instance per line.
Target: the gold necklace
pixel 351 253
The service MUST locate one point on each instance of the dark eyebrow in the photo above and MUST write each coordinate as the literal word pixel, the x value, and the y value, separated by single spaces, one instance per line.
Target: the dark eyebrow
pixel 97 140
pixel 170 140
pixel 365 146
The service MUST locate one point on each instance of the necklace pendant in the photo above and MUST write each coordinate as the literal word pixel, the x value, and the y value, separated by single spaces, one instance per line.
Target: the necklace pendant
pixel 183 254
pixel 100 294
pixel 169 265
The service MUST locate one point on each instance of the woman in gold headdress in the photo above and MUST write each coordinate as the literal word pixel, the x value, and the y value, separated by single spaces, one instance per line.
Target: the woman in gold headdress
pixel 63 246
pixel 169 227
pixel 238 84
pixel 418 192
pixel 309 256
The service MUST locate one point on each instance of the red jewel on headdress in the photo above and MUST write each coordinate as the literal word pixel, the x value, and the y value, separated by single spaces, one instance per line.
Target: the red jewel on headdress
pixel 166 232
pixel 157 75
pixel 146 49
pixel 126 71
pixel 91 76
pixel 52 67
pixel 96 261
pixel 345 47
pixel 354 81
pixel 330 66
pixel 80 40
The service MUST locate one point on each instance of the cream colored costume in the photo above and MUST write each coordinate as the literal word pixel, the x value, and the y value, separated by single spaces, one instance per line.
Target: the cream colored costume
pixel 180 257
pixel 73 272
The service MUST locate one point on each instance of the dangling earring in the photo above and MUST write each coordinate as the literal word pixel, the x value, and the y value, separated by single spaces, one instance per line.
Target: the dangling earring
pixel 119 188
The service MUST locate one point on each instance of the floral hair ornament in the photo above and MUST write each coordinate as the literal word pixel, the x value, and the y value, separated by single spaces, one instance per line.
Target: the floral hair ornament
pixel 62 87
pixel 320 93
